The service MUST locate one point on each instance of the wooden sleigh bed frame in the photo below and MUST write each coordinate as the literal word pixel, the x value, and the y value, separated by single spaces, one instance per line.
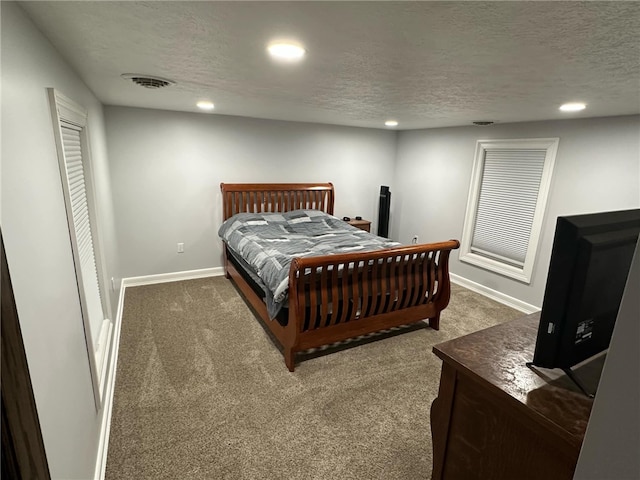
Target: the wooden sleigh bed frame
pixel 350 294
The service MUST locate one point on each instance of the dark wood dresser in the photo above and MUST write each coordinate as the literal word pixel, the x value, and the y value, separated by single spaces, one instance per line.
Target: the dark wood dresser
pixel 495 418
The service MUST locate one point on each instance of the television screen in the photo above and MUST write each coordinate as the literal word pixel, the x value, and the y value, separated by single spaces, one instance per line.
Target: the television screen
pixel 590 263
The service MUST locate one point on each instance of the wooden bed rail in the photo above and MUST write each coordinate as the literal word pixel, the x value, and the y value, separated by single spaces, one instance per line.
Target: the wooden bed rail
pixel 275 197
pixel 397 286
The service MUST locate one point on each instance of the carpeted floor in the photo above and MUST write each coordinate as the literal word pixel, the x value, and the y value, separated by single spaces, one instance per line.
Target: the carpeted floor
pixel 202 393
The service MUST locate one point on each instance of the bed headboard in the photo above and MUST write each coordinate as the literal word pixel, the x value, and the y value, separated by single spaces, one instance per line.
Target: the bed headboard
pixel 275 197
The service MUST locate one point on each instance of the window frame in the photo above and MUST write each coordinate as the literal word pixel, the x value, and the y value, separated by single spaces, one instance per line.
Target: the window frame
pixel 65 110
pixel 524 273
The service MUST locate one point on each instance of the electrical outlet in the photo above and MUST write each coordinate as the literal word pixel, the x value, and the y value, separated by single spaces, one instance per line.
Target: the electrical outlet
pixel 414 240
pixel 181 248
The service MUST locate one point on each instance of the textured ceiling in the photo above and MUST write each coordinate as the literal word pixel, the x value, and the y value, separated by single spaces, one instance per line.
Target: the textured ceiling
pixel 426 64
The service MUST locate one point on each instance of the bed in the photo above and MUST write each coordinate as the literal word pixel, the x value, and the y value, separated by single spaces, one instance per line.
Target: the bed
pixel 330 298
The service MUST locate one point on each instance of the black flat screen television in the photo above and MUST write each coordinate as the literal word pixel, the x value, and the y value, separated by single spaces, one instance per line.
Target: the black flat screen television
pixel 590 263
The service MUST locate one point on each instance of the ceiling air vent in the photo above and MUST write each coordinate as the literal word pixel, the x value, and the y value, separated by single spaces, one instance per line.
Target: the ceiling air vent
pixel 483 123
pixel 148 81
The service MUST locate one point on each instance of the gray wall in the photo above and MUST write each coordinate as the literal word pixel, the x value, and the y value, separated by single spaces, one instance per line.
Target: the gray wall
pixel 167 168
pixel 34 227
pixel 612 441
pixel 597 169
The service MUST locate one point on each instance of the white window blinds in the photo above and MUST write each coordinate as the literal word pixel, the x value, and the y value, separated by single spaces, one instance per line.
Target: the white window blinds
pixel 507 203
pixel 74 168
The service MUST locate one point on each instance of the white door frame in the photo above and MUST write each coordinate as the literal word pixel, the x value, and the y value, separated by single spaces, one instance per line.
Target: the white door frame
pixel 66 111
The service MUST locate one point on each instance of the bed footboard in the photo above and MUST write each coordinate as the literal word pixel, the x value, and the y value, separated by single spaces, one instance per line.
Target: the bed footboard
pixel 336 297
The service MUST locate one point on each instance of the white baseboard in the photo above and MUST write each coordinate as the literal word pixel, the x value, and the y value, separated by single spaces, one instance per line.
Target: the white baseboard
pixel 494 294
pixel 173 276
pixel 107 406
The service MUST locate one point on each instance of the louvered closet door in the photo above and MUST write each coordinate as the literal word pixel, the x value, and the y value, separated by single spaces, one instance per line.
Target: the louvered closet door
pixel 81 228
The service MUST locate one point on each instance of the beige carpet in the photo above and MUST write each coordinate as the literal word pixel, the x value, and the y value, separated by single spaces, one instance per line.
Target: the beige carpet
pixel 202 393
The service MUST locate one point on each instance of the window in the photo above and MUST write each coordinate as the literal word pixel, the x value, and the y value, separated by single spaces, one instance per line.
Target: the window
pixel 507 197
pixel 70 131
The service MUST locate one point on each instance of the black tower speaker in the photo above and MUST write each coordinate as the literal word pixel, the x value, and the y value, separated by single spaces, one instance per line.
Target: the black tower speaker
pixel 383 212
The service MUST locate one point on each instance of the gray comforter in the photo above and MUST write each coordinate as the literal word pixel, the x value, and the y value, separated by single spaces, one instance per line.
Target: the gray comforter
pixel 268 242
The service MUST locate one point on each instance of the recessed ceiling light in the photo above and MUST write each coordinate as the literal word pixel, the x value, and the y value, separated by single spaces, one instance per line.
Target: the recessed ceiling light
pixel 391 123
pixel 286 51
pixel 573 107
pixel 205 105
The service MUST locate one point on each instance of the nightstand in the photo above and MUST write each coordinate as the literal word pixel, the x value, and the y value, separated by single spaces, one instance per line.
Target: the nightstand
pixel 361 224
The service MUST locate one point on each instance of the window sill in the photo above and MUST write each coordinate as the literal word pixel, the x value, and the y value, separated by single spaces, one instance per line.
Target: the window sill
pixel 521 274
